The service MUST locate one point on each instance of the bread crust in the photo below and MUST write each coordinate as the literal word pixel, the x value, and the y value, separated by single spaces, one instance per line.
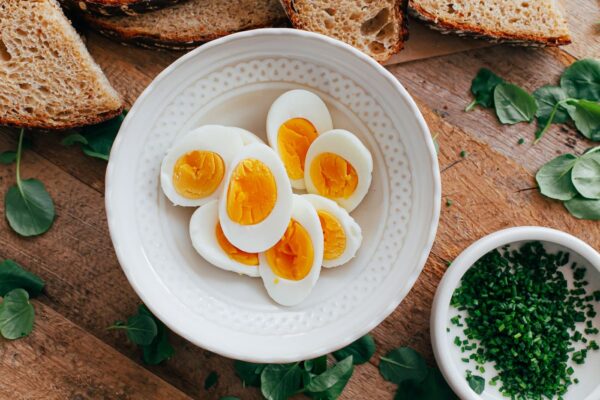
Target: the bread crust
pixel 166 42
pixel 42 125
pixel 110 8
pixel 400 7
pixel 491 35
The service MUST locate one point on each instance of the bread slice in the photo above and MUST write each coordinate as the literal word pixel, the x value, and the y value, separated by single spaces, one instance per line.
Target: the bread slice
pixel 48 80
pixel 118 7
pixel 377 27
pixel 188 24
pixel 527 22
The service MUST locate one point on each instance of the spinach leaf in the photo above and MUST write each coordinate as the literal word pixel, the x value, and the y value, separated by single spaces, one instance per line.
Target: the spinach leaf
pixel 403 364
pixel 361 350
pixel 433 387
pixel 28 206
pixel 249 373
pixel 583 208
pixel 586 115
pixel 513 104
pixel 16 314
pixel 554 178
pixel 586 175
pixel 8 157
pixel 281 381
pixel 547 97
pixel 477 383
pixel 141 329
pixel 482 87
pixel 582 79
pixel 330 384
pixel 97 140
pixel 316 365
pixel 13 276
pixel 160 348
pixel 211 380
pixel 73 138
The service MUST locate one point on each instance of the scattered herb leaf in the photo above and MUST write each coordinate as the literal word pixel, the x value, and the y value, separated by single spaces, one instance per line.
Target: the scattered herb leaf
pixel 586 115
pixel 160 348
pixel 141 329
pixel 403 364
pixel 8 157
pixel 581 80
pixel 97 140
pixel 482 87
pixel 361 350
pixel 583 208
pixel 554 178
pixel 477 383
pixel 13 276
pixel 433 387
pixel 513 104
pixel 211 380
pixel 330 384
pixel 16 314
pixel 547 97
pixel 249 373
pixel 586 175
pixel 281 381
pixel 521 141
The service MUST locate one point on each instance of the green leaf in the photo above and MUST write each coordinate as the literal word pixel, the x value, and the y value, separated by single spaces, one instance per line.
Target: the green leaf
pixel 160 349
pixel 211 380
pixel 13 276
pixel 99 138
pixel 281 381
pixel 586 175
pixel 316 365
pixel 29 208
pixel 513 104
pixel 554 178
pixel 583 208
pixel 477 383
pixel 16 314
pixel 248 372
pixel 229 398
pixel 8 157
pixel 330 384
pixel 403 364
pixel 141 329
pixel 361 350
pixel 482 87
pixel 434 387
pixel 582 79
pixel 547 97
pixel 74 138
pixel 586 115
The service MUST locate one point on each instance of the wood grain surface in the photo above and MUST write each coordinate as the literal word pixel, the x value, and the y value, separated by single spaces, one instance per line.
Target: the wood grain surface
pixel 71 355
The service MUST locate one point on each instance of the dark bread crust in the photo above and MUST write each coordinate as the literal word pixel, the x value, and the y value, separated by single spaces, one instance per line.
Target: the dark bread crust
pixel 43 125
pixel 400 8
pixel 109 8
pixel 490 35
pixel 177 42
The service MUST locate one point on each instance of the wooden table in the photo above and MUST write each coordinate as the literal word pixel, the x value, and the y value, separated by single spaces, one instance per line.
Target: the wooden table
pixel 70 354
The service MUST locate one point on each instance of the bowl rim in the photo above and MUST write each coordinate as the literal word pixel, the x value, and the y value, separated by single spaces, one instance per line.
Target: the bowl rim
pixel 465 260
pixel 420 259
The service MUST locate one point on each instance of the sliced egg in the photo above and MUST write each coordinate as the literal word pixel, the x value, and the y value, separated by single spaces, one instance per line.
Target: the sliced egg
pixel 248 137
pixel 294 121
pixel 210 242
pixel 291 268
pixel 342 236
pixel 193 171
pixel 256 203
pixel 339 167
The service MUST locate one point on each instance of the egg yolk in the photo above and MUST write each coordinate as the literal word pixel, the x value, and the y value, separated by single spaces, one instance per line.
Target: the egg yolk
pixel 333 176
pixel 198 174
pixel 334 235
pixel 293 140
pixel 250 259
pixel 292 257
pixel 252 192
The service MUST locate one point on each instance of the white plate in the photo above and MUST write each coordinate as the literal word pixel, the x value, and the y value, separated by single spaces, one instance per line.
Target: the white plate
pixel 448 355
pixel 232 81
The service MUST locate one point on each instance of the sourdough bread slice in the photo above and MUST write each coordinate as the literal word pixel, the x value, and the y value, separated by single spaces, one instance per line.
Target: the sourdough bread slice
pixel 527 22
pixel 48 80
pixel 106 8
pixel 377 27
pixel 188 24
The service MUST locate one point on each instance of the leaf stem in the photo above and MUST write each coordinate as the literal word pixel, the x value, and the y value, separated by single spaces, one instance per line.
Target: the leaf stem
pixel 471 105
pixel 538 135
pixel 18 166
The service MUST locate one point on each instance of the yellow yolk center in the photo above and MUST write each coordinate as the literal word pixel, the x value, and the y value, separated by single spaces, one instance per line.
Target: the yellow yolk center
pixel 252 192
pixel 293 140
pixel 292 257
pixel 250 259
pixel 334 235
pixel 198 174
pixel 333 176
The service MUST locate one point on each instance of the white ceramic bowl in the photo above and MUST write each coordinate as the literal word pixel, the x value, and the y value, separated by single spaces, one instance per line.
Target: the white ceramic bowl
pixel 233 81
pixel 448 355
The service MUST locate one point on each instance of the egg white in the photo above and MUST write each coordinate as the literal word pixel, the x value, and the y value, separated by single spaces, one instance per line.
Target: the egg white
pixel 348 146
pixel 223 140
pixel 202 231
pixel 263 235
pixel 297 104
pixel 248 137
pixel 351 228
pixel 289 292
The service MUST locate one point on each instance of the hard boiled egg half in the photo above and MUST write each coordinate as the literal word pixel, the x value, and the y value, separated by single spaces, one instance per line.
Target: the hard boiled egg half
pixel 256 203
pixel 291 268
pixel 210 242
pixel 342 236
pixel 193 171
pixel 339 167
pixel 294 121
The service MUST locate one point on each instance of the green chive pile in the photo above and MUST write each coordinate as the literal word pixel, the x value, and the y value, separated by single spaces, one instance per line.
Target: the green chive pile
pixel 526 319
